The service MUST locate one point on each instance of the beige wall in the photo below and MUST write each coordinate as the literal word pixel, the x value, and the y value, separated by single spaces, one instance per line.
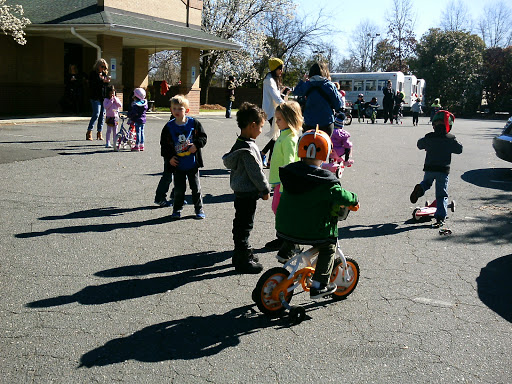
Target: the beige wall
pixel 175 10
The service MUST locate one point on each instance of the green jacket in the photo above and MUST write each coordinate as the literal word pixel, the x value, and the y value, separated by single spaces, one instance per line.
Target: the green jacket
pixel 284 153
pixel 309 205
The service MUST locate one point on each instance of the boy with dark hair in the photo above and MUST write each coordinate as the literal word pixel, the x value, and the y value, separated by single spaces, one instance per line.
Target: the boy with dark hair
pixel 439 146
pixel 248 182
pixel 309 206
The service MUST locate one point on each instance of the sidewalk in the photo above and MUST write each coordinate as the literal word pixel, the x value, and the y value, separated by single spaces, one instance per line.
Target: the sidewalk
pixel 62 119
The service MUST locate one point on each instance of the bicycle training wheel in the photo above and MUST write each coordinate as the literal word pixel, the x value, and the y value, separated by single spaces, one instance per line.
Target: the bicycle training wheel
pixel 348 119
pixel 118 142
pixel 264 288
pixel 345 288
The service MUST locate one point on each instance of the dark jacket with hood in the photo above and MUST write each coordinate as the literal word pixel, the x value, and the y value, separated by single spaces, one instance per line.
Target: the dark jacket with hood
pixel 439 146
pixel 167 145
pixel 309 205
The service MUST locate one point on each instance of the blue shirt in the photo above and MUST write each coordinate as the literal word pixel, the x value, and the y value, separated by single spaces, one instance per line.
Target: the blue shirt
pixel 182 136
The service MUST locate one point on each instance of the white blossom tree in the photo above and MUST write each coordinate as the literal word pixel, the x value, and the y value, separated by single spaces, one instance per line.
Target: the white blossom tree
pixel 13 22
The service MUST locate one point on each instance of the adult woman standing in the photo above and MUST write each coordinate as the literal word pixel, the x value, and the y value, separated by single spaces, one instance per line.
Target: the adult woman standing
pixel 98 80
pixel 388 102
pixel 322 98
pixel 272 97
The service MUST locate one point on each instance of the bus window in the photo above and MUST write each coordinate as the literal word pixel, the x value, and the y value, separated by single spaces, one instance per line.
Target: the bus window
pixel 370 85
pixel 381 84
pixel 346 85
pixel 358 85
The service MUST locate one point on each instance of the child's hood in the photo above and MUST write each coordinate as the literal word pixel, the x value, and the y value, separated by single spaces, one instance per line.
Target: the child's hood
pixel 241 148
pixel 318 80
pixel 140 103
pixel 300 177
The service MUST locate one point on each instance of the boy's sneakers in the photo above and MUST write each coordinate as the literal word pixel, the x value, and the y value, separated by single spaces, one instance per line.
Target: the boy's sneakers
pixel 176 215
pixel 141 148
pixel 416 193
pixel 274 245
pixel 200 215
pixel 324 290
pixel 135 149
pixel 163 203
pixel 438 224
pixel 264 159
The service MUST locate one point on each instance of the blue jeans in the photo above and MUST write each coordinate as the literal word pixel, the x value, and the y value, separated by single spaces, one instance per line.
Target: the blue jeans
pixel 98 113
pixel 229 104
pixel 441 179
pixel 139 128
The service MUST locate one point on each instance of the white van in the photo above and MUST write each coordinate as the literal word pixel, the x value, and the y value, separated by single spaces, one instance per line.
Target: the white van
pixel 370 84
pixel 410 91
pixel 421 91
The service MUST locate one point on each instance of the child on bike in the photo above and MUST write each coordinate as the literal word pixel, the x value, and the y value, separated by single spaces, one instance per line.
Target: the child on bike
pixel 137 115
pixel 248 182
pixel 308 210
pixel 359 106
pixel 439 146
pixel 181 141
pixel 397 109
pixel 111 104
pixel 341 144
pixel 435 107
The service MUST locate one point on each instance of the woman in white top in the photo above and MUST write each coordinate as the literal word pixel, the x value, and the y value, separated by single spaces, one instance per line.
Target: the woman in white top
pixel 272 97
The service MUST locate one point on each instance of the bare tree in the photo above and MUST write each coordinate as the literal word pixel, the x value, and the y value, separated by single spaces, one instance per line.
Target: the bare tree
pixel 362 47
pixel 401 20
pixel 12 21
pixel 456 17
pixel 165 65
pixel 495 25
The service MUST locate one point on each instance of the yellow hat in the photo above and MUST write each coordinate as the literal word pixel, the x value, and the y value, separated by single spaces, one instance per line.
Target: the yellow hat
pixel 274 63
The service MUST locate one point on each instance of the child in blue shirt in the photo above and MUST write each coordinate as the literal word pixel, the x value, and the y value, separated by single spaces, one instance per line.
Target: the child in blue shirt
pixel 181 141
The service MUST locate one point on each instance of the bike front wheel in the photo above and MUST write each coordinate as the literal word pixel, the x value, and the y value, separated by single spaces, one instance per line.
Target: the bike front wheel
pixel 345 288
pixel 264 291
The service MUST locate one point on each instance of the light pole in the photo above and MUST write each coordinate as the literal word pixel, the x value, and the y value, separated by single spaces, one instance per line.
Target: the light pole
pixel 371 36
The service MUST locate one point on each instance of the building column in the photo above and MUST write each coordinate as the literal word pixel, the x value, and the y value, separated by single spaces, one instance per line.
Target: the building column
pixel 135 72
pixel 190 78
pixel 112 52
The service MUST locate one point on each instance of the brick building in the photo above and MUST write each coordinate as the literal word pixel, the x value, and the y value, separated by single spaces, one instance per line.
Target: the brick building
pixel 123 32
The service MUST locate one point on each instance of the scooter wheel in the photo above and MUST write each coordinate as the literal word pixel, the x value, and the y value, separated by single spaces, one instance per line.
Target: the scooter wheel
pixel 452 206
pixel 427 203
pixel 297 315
pixel 414 214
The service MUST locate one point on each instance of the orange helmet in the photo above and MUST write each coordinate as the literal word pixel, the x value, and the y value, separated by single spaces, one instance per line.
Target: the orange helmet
pixel 315 144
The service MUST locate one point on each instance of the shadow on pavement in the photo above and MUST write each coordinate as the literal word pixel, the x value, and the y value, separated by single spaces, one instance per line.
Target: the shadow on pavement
pixel 97 212
pixel 494 178
pixel 384 229
pixel 494 286
pixel 193 337
pixel 135 288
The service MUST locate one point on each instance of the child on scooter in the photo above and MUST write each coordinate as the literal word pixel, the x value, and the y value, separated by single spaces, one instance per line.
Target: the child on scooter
pixel 341 144
pixel 308 210
pixel 439 146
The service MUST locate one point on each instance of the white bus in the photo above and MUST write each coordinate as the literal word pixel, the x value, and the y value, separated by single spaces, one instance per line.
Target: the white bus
pixel 421 90
pixel 410 91
pixel 370 84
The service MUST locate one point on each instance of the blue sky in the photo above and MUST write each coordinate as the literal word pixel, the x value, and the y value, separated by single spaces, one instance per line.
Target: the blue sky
pixel 344 16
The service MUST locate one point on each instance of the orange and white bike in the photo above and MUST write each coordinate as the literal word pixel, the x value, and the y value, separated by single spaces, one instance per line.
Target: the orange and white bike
pixel 275 287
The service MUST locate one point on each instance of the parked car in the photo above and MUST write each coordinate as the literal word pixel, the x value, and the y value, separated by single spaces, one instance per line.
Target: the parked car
pixel 502 144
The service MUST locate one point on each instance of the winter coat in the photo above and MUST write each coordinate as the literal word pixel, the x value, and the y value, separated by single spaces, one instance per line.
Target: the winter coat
pixel 340 141
pixel 137 112
pixel 112 106
pixel 310 201
pixel 271 96
pixel 389 97
pixel 322 99
pixel 97 88
pixel 244 161
pixel 439 147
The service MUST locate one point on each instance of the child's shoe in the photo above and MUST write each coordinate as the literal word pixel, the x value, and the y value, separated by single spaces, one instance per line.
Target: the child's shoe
pixel 176 215
pixel 322 291
pixel 162 203
pixel 274 245
pixel 108 145
pixel 416 193
pixel 348 163
pixel 136 149
pixel 438 224
pixel 141 148
pixel 200 215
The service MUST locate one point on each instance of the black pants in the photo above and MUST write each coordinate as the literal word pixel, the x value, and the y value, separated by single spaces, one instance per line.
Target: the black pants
pixel 269 147
pixel 180 185
pixel 165 181
pixel 245 207
pixel 415 118
pixel 388 112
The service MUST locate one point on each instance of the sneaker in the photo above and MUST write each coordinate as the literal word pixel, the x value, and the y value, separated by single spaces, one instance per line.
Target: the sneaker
pixel 135 149
pixel 324 290
pixel 416 193
pixel 162 203
pixel 108 145
pixel 284 258
pixel 200 215
pixel 141 148
pixel 176 215
pixel 438 224
pixel 264 159
pixel 274 245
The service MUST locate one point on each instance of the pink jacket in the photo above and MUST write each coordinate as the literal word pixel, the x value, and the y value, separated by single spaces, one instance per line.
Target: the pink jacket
pixel 112 106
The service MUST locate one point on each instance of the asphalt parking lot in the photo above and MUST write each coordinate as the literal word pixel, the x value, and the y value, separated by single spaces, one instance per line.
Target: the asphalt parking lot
pixel 98 285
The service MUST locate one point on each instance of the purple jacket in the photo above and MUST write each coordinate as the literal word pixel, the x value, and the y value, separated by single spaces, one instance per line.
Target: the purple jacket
pixel 340 139
pixel 137 112
pixel 112 106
